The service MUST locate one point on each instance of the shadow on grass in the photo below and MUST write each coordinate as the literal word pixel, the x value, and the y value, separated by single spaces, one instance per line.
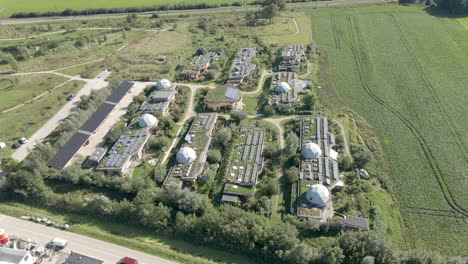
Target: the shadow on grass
pixel 444 13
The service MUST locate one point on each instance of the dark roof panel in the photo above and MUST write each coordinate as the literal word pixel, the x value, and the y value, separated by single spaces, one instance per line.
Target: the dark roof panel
pixel 120 92
pixel 68 151
pixel 97 118
pixel 356 222
pixel 76 258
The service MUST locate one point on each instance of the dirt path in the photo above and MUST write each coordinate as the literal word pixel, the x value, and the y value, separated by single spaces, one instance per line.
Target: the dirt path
pixel 345 139
pixel 277 123
pixel 93 84
pixel 189 114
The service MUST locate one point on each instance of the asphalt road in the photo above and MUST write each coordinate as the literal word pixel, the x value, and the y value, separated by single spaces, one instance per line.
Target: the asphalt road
pixel 109 253
pixel 10 21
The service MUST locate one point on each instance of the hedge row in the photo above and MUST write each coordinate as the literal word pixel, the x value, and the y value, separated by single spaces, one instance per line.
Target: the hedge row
pixel 137 9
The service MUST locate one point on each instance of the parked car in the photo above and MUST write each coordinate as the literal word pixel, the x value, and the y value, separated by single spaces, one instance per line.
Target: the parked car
pixel 23 140
pixel 70 97
pixel 16 145
pixel 57 243
pixel 127 260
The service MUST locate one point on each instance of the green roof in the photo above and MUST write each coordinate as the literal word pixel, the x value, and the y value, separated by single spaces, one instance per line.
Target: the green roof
pixel 216 94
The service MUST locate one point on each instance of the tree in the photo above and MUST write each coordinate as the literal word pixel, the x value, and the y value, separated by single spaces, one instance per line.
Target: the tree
pixel 214 156
pixel 420 257
pixel 223 136
pixel 157 144
pixel 269 188
pixel 346 163
pixel 291 175
pixel 159 173
pixel 115 133
pixel 271 151
pixel 8 164
pixel 292 144
pixel 357 246
pixel 299 254
pixel 269 110
pixel 310 100
pixel 362 158
pixel 262 205
pixel 271 8
pixel 238 115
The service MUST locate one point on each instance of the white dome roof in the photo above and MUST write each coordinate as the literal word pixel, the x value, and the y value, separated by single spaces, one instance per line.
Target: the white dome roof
pixel 283 87
pixel 318 194
pixel 163 84
pixel 311 151
pixel 148 120
pixel 186 155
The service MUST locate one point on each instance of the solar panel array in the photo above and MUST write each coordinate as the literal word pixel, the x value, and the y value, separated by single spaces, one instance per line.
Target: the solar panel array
pixel 210 121
pixel 232 93
pixel 66 153
pixel 252 153
pixel 125 147
pixel 242 65
pixel 326 168
pixel 155 107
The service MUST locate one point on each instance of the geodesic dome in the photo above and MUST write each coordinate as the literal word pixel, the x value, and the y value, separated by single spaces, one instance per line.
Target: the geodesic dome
pixel 163 84
pixel 311 151
pixel 283 87
pixel 186 155
pixel 148 120
pixel 318 194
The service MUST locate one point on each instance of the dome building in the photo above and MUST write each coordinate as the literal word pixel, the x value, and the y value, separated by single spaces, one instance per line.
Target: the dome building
pixel 311 151
pixel 318 195
pixel 283 87
pixel 163 84
pixel 148 120
pixel 186 155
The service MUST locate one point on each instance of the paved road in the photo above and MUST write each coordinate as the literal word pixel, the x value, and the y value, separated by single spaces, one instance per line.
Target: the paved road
pixel 180 12
pixel 109 253
pixel 96 83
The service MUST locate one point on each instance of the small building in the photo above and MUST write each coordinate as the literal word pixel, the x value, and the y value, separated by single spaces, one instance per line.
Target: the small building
pixel 286 88
pixel 355 223
pixel 160 100
pixel 223 98
pixel 15 256
pixel 229 198
pixel 76 258
pixel 93 160
pixel 242 66
pixel 129 146
pixel 200 65
pixel 191 157
pixel 292 57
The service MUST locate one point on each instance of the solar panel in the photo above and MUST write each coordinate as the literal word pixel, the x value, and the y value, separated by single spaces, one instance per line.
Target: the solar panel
pixel 69 150
pixel 120 92
pixel 232 93
pixel 318 128
pixel 97 118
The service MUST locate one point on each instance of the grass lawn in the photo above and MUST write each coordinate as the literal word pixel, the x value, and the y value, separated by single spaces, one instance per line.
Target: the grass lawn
pixel 282 37
pixel 251 104
pixel 133 237
pixel 15 90
pixel 383 65
pixel 24 121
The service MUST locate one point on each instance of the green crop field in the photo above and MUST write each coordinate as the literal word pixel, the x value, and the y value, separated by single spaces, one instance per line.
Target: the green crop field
pixel 8 7
pixel 405 71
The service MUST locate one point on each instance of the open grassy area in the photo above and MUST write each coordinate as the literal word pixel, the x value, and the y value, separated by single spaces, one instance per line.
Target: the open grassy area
pixel 15 90
pixel 133 237
pixel 389 65
pixel 24 121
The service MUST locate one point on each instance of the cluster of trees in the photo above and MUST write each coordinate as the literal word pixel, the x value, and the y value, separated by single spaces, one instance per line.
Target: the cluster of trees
pixel 453 6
